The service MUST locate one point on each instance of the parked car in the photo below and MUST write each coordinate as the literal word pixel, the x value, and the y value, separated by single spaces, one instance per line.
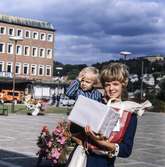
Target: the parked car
pixel 7 96
pixel 65 101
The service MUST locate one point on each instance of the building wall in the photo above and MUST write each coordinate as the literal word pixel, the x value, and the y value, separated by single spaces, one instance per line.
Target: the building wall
pixel 30 61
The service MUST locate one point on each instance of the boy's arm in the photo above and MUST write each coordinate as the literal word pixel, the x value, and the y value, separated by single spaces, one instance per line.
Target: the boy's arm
pixel 100 97
pixel 71 91
pixel 97 95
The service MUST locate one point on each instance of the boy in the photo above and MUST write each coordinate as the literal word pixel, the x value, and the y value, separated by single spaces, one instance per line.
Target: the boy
pixel 84 85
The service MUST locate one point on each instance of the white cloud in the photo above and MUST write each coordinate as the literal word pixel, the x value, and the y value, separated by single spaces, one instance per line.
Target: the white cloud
pixel 93 30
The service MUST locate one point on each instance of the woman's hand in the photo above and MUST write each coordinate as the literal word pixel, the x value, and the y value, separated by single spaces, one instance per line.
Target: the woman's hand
pixel 91 134
pixel 100 140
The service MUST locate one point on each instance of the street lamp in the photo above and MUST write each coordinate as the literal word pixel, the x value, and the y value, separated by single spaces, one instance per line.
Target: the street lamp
pixel 141 85
pixel 14 39
pixel 125 54
pixel 58 86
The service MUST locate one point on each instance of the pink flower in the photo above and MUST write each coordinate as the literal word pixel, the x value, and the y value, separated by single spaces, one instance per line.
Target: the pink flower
pixel 55 161
pixel 49 144
pixel 55 153
pixel 45 129
pixel 62 140
pixel 57 131
pixel 52 144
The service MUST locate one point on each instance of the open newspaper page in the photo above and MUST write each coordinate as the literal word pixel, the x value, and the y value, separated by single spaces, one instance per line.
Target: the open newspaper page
pixel 109 122
pixel 97 115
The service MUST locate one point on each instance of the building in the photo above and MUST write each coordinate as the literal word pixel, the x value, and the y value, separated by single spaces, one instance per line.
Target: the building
pixel 33 54
pixel 153 59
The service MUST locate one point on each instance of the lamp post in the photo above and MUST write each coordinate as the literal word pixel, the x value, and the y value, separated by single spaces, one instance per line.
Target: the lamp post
pixel 58 86
pixel 14 39
pixel 125 54
pixel 141 85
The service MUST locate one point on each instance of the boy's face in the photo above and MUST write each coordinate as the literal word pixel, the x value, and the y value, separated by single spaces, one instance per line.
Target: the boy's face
pixel 87 82
pixel 113 89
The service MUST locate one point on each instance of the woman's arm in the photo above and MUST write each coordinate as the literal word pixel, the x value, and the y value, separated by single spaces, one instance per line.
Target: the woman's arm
pixel 100 141
pixel 125 147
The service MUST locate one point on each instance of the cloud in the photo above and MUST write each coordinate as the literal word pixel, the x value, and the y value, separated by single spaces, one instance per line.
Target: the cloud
pixel 92 30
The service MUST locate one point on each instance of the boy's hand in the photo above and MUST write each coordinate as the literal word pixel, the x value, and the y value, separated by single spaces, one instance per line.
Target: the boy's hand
pixel 81 75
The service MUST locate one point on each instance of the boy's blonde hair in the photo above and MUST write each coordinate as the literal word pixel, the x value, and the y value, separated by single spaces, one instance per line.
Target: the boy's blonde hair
pixel 91 70
pixel 115 72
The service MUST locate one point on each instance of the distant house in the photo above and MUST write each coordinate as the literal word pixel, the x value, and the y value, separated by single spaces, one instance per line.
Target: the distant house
pixel 154 58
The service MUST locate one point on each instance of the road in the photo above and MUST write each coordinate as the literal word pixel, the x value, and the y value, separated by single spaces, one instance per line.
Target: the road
pixel 19 134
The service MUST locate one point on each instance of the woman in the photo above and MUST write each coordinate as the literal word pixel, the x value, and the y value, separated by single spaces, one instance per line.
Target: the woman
pixel 102 152
pixel 114 79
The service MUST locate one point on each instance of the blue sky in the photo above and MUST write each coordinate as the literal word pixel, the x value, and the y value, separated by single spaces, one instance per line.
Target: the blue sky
pixel 90 31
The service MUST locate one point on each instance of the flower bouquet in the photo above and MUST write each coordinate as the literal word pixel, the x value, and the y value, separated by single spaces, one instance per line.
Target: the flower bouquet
pixel 55 146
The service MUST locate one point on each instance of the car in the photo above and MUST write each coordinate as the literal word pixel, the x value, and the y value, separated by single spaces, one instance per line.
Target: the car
pixel 65 101
pixel 71 102
pixel 6 95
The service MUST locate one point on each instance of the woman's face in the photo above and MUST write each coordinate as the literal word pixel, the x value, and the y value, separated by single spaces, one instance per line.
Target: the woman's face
pixel 113 89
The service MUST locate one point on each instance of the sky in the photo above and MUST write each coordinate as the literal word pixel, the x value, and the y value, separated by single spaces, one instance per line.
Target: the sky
pixel 91 31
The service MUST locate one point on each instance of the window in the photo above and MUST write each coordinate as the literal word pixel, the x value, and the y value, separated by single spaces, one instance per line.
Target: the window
pixel 1 66
pixel 43 36
pixel 41 70
pixel 25 69
pixel 27 34
pixel 2 47
pixel 9 67
pixel 35 35
pixel 34 52
pixel 48 70
pixel 19 33
pixel 33 69
pixel 50 37
pixel 27 50
pixel 10 49
pixel 2 30
pixel 42 52
pixel 11 31
pixel 19 49
pixel 49 53
pixel 18 68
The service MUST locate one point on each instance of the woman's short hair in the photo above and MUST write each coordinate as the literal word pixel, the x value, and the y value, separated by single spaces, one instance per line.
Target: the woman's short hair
pixel 115 72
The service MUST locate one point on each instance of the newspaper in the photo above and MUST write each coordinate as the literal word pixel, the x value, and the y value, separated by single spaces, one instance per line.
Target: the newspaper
pixel 131 106
pixel 97 115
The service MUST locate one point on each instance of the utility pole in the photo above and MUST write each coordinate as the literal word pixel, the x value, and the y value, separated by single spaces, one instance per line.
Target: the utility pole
pixel 141 86
pixel 14 40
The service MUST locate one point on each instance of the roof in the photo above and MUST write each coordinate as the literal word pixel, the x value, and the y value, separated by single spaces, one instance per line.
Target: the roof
pixel 26 22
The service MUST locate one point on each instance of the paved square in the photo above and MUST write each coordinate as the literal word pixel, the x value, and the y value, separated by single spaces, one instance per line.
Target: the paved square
pixel 19 135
